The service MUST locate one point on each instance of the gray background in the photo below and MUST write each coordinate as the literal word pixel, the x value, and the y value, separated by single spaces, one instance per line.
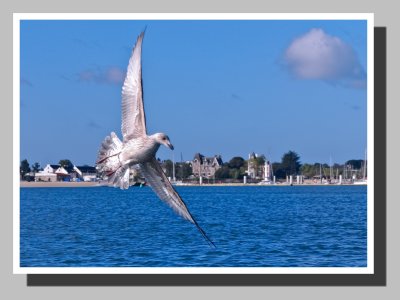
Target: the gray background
pixel 14 286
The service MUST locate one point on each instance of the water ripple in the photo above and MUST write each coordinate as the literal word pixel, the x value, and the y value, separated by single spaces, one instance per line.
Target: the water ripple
pixel 251 226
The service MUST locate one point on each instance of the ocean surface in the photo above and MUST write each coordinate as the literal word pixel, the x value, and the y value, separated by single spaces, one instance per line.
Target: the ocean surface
pixel 266 226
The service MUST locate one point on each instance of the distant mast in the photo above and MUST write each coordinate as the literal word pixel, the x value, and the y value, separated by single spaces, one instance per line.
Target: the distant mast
pixel 320 172
pixel 181 168
pixel 173 167
pixel 337 174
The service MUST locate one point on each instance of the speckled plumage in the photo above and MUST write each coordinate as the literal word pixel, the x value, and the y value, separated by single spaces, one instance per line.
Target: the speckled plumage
pixel 116 157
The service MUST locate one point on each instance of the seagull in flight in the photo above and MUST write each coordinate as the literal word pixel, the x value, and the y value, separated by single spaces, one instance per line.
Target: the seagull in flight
pixel 137 149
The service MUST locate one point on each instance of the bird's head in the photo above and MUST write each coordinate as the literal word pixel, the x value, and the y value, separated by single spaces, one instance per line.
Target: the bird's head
pixel 163 139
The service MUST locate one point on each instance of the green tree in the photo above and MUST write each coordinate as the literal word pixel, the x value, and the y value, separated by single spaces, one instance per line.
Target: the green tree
pixel 236 162
pixel 260 160
pixel 223 172
pixel 337 166
pixel 279 172
pixel 168 165
pixel 234 173
pixel 237 168
pixel 186 170
pixel 36 167
pixel 307 170
pixel 291 163
pixel 24 168
pixel 355 163
pixel 242 172
pixel 311 170
pixel 66 164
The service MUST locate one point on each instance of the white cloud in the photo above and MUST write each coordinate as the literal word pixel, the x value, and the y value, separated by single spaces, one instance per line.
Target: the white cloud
pixel 318 55
pixel 109 75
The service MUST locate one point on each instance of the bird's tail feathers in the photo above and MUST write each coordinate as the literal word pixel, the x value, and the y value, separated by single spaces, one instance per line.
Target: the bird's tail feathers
pixel 120 178
pixel 109 165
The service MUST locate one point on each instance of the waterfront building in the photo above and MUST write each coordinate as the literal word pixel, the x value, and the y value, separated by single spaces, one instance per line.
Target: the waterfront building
pixel 85 173
pixel 50 168
pixel 62 174
pixel 206 166
pixel 267 171
pixel 51 173
pixel 251 166
pixel 255 166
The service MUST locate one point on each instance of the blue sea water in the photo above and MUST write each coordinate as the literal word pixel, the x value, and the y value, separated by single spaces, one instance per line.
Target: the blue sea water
pixel 266 226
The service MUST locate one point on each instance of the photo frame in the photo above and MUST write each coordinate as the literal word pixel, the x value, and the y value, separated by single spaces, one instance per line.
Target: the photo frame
pixel 377 278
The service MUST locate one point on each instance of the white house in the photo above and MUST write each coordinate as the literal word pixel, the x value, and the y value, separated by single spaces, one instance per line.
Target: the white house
pixel 52 173
pixel 62 174
pixel 48 173
pixel 86 173
pixel 50 168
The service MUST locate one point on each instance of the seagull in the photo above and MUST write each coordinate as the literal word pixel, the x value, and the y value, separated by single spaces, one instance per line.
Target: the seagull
pixel 137 149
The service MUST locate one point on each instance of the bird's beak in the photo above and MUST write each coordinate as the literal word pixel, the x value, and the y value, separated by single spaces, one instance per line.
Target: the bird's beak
pixel 168 144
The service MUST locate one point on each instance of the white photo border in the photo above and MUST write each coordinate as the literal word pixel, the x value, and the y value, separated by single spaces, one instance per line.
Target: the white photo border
pixel 18 17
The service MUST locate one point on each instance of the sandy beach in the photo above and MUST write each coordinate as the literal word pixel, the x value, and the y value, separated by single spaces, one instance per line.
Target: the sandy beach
pixel 58 184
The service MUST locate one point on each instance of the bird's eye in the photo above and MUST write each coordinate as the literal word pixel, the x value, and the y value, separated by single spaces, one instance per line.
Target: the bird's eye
pixel 164 138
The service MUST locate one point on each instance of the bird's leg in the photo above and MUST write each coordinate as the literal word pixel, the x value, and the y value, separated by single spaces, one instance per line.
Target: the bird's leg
pixel 104 159
pixel 110 173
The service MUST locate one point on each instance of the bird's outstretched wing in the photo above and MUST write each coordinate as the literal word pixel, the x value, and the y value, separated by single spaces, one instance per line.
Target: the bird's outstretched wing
pixel 133 117
pixel 160 184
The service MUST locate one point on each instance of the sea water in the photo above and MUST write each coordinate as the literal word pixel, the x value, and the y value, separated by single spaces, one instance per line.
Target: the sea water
pixel 263 226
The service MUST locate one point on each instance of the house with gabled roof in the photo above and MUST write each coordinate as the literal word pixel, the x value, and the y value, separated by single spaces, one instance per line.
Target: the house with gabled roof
pixel 85 173
pixel 52 173
pixel 50 168
pixel 206 166
pixel 256 169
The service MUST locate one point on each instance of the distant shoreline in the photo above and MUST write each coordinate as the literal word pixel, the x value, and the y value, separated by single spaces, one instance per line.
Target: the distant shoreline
pixel 32 184
pixel 58 184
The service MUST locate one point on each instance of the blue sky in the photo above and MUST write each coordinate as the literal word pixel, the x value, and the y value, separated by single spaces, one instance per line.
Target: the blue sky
pixel 215 87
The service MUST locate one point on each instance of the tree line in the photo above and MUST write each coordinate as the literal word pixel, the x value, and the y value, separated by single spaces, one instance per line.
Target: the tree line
pixel 237 167
pixel 289 165
pixel 25 168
